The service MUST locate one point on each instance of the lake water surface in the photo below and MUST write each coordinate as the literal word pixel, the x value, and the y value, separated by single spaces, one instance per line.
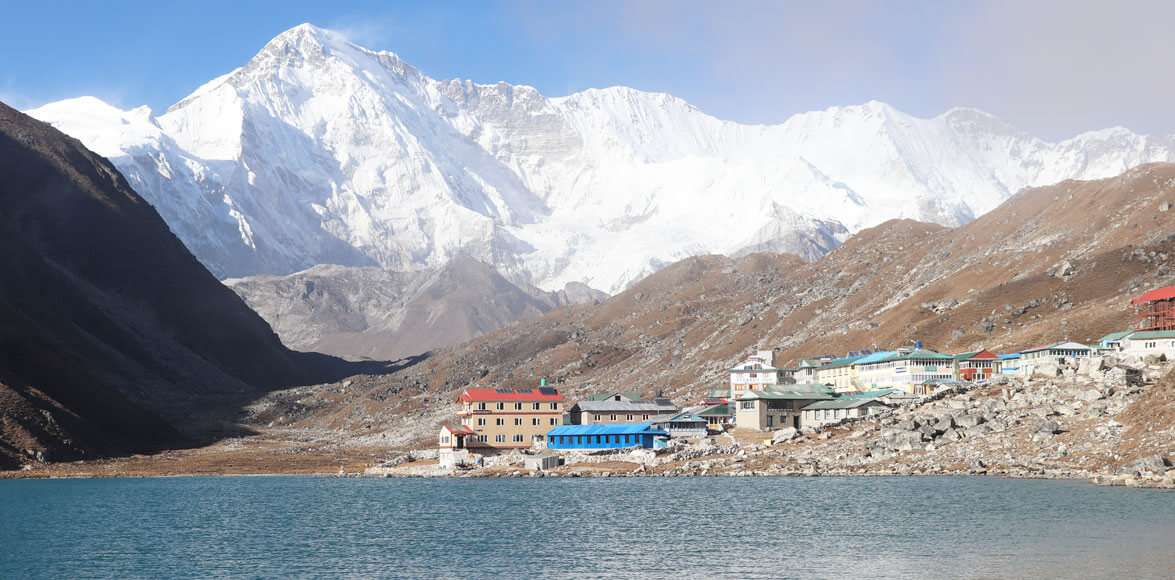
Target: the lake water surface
pixel 279 527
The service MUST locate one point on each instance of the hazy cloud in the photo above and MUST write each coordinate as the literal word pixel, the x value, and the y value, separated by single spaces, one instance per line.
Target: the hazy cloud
pixel 1051 67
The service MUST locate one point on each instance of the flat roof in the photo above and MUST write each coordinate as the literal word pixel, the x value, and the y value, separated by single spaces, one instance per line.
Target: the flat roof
pixel 485 394
pixel 1152 334
pixel 607 429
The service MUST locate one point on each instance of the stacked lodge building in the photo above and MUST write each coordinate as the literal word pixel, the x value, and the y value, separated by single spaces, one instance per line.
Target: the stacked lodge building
pixel 764 397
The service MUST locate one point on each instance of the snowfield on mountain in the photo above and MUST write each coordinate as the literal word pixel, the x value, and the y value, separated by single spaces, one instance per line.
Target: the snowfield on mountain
pixel 319 151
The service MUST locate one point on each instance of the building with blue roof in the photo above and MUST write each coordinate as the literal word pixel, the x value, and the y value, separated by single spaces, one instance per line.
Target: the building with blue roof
pixel 607 436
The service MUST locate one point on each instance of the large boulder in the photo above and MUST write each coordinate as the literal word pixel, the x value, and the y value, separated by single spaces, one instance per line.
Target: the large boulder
pixel 1046 370
pixel 785 434
pixel 1153 464
pixel 968 421
pixel 1049 427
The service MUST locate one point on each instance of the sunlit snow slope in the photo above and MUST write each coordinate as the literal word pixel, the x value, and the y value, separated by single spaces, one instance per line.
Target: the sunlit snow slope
pixel 320 151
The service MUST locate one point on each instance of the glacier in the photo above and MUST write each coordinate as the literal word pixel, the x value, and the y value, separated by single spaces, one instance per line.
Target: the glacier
pixel 320 151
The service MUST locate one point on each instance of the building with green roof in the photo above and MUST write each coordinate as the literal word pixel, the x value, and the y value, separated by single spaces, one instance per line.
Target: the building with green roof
pixel 777 407
pixel 1150 343
pixel 915 371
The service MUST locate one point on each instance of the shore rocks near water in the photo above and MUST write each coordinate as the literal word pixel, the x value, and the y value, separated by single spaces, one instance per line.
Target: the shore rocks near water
pixel 1065 425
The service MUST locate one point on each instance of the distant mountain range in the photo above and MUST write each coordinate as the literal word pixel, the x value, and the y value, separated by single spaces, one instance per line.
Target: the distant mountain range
pixel 1050 264
pixel 113 338
pixel 318 151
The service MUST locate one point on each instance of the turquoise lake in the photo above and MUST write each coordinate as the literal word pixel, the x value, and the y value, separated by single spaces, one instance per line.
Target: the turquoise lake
pixel 282 527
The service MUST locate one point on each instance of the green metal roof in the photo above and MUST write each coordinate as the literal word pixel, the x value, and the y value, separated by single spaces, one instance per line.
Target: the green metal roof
pixel 1115 336
pixel 843 361
pixel 1152 334
pixel 715 411
pixel 869 394
pixel 844 403
pixel 790 393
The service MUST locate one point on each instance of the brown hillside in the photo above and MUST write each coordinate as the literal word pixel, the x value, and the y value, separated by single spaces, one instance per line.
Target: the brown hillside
pixel 1052 262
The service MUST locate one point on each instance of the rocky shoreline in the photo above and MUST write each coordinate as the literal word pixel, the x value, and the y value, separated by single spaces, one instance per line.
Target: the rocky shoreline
pixel 1103 419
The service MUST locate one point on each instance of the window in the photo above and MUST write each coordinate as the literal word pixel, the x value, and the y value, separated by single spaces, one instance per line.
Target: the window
pixel 500 438
pixel 518 438
pixel 535 421
pixel 482 438
pixel 535 406
pixel 517 406
pixel 553 421
pixel 630 417
pixel 646 417
pixel 554 406
pixel 499 421
pixel 746 405
pixel 481 406
pixel 481 421
pixel 501 406
pixel 612 417
pixel 518 421
pixel 444 438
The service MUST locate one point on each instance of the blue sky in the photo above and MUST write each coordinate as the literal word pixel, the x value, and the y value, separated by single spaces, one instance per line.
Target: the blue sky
pixel 1053 68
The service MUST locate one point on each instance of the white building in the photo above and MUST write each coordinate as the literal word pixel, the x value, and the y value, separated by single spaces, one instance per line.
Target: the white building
pixel 916 372
pixel 1054 353
pixel 1150 342
pixel 756 373
pixel 825 412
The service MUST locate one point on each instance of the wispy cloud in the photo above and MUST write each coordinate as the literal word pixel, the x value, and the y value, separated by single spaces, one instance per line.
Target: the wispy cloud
pixel 1053 67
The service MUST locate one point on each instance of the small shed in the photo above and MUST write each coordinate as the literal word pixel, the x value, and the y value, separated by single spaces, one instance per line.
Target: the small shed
pixel 606 436
pixel 455 437
pixel 541 462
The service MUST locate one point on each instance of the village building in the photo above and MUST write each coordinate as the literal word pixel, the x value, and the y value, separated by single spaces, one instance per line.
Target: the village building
pixel 1054 353
pixel 683 424
pixel 839 373
pixel 805 373
pixel 606 436
pixel 619 408
pixel 718 417
pixel 1155 310
pixel 831 411
pixel 455 437
pixel 915 371
pixel 506 418
pixel 756 372
pixel 1150 343
pixel 977 366
pixel 1009 364
pixel 777 407
pixel 716 397
pixel 1112 342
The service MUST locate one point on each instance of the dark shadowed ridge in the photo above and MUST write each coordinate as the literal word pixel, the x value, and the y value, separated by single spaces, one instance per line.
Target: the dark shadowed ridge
pixel 113 338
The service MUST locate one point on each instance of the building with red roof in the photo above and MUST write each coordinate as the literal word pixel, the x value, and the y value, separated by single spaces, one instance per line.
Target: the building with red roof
pixel 506 418
pixel 1155 310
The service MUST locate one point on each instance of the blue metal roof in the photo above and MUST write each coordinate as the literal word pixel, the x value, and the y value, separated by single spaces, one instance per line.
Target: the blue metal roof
pixel 606 429
pixel 1010 356
pixel 876 357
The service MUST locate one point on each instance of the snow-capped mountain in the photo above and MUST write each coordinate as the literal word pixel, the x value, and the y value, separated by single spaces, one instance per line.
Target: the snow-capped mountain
pixel 321 151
